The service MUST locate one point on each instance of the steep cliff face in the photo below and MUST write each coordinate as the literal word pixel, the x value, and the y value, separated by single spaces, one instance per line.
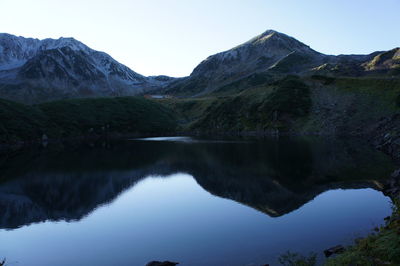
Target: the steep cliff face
pixel 33 70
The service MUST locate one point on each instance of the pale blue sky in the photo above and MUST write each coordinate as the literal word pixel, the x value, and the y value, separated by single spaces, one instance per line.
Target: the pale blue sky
pixel 172 36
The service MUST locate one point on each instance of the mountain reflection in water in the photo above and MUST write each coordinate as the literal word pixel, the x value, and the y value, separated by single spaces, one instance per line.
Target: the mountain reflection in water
pixel 272 176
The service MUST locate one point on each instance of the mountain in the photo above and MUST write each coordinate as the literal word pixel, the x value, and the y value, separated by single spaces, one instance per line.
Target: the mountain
pixel 268 51
pixel 273 55
pixel 33 70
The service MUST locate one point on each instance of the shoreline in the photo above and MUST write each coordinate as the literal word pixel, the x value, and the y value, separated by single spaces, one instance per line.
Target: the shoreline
pixel 27 144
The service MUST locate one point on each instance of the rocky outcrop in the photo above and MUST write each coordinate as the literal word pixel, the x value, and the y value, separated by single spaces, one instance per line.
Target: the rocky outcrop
pixel 384 60
pixel 385 135
pixel 392 186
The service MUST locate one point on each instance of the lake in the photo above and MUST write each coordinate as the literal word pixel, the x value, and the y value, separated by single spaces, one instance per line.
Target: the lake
pixel 192 200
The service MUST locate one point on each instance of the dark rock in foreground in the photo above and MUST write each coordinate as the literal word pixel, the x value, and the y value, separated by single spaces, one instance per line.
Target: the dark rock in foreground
pixel 334 250
pixel 392 186
pixel 162 263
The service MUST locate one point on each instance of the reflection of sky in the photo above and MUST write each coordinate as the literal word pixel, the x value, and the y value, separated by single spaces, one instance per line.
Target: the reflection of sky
pixel 174 139
pixel 175 219
pixel 184 139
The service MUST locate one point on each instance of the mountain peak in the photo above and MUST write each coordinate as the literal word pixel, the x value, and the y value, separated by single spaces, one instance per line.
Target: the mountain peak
pixel 269 32
pixel 70 42
pixel 275 36
pixel 259 53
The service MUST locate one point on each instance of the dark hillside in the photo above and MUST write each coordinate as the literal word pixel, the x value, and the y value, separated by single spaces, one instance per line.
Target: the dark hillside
pixel 81 117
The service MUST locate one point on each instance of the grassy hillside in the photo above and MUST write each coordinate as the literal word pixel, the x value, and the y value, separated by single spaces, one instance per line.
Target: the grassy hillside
pixel 343 106
pixel 78 117
pixel 260 107
pixel 254 80
pixel 304 105
pixel 316 104
pixel 269 107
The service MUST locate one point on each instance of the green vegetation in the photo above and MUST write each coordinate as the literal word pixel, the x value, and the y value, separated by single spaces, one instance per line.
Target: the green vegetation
pixel 382 248
pixel 189 87
pixel 121 114
pixel 382 89
pixel 254 80
pixel 295 259
pixel 291 62
pixel 291 96
pixel 315 104
pixel 188 110
pixel 326 80
pixel 79 117
pixel 20 122
pixel 260 108
pixel 349 106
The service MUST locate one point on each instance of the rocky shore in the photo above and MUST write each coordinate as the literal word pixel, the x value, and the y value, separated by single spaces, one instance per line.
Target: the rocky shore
pixel 381 247
pixel 385 136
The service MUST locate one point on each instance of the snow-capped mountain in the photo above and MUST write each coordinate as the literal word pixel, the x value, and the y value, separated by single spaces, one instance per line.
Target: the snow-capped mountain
pixel 33 70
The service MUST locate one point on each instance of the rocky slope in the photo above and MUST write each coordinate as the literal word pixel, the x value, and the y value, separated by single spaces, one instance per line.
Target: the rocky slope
pixel 343 106
pixel 274 55
pixel 33 70
pixel 276 84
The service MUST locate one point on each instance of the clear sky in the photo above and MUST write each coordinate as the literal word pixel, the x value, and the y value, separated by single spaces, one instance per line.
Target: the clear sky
pixel 171 37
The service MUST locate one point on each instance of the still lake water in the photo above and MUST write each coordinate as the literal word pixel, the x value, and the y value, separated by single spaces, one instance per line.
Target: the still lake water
pixel 194 201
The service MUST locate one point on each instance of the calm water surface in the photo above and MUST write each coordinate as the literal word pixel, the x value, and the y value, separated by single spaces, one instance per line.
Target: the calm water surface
pixel 195 201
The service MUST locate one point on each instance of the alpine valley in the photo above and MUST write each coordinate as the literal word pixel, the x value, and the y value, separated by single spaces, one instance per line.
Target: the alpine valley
pixel 119 197
pixel 270 84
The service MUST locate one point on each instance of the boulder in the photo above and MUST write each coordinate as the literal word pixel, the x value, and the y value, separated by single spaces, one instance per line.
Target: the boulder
pixel 162 263
pixel 45 138
pixel 395 174
pixel 334 250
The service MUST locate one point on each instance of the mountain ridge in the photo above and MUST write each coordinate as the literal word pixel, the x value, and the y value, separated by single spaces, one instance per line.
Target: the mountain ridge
pixel 64 68
pixel 276 54
pixel 33 70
